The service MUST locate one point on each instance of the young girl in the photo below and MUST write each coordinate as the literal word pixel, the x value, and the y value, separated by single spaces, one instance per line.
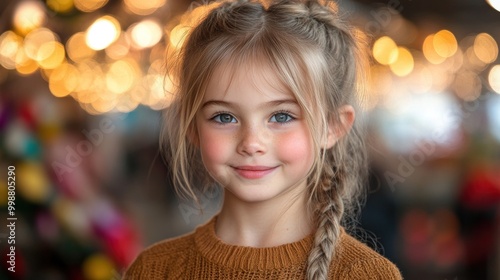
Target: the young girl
pixel 264 110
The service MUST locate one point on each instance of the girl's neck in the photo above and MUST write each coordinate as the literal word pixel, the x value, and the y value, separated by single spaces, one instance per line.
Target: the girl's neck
pixel 263 224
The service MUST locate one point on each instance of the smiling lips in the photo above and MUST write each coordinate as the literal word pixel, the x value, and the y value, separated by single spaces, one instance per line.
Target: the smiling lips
pixel 253 172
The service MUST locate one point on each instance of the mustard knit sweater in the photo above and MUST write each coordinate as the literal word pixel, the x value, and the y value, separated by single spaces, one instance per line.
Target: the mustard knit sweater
pixel 202 255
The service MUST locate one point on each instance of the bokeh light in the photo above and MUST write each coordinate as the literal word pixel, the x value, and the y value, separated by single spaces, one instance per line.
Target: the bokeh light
pixel 424 117
pixel 467 85
pixel 34 41
pixel 445 43
pixel 495 4
pixel 120 48
pixel 33 183
pixel 24 64
pixel 55 55
pixel 63 80
pixel 121 76
pixel 77 48
pixel 10 45
pixel 485 48
pixel 141 7
pixel 29 15
pixel 178 35
pixel 89 6
pixel 403 64
pixel 430 52
pixel 494 78
pixel 146 33
pixel 385 50
pixel 102 33
pixel 60 6
pixel 472 61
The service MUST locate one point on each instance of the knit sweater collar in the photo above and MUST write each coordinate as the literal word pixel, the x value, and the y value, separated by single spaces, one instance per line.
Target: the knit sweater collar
pixel 246 258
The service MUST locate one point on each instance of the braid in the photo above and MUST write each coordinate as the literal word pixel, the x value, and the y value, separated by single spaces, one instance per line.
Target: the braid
pixel 339 186
pixel 329 212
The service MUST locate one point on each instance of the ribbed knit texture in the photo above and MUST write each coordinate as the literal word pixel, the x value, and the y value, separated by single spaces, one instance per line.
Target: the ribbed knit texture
pixel 202 255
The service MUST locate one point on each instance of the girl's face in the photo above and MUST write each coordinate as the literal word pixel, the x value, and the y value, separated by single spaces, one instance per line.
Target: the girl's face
pixel 252 135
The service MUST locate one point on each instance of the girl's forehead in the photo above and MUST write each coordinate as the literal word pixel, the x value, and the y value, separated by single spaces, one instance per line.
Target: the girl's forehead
pixel 257 74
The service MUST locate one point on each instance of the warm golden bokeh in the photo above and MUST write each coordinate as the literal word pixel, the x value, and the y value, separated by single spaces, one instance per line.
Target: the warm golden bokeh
pixel 60 6
pixel 385 50
pixel 146 34
pixel 24 64
pixel 178 35
pixel 485 48
pixel 77 49
pixel 141 7
pixel 102 33
pixel 89 6
pixel 430 52
pixel 403 64
pixel 29 15
pixel 55 55
pixel 63 80
pixel 445 43
pixel 119 48
pixel 10 45
pixel 121 76
pixel 34 41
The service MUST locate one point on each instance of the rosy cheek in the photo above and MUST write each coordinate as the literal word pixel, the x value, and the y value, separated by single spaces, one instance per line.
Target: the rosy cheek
pixel 295 147
pixel 213 147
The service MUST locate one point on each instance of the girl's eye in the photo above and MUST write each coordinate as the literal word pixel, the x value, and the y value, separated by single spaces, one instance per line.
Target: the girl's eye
pixel 281 118
pixel 224 118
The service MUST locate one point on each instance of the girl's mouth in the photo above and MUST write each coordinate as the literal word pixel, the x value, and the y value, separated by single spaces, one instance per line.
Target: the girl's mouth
pixel 254 171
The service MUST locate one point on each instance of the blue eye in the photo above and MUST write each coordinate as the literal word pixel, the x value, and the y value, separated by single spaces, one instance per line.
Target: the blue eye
pixel 281 118
pixel 224 118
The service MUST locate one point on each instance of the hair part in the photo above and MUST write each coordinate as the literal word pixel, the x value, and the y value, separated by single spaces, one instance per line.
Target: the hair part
pixel 318 57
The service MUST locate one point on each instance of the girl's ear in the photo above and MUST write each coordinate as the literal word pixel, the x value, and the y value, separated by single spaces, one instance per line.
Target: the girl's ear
pixel 336 129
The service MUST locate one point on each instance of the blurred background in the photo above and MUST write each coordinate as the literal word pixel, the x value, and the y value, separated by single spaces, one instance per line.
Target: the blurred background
pixel 81 94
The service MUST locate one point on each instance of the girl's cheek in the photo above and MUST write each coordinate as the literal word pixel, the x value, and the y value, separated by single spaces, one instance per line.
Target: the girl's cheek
pixel 213 146
pixel 295 146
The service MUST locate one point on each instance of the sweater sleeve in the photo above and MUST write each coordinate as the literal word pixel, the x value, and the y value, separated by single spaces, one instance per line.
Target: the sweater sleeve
pixel 375 268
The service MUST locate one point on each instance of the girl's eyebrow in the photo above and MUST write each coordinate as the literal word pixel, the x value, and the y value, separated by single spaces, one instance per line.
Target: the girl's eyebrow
pixel 230 104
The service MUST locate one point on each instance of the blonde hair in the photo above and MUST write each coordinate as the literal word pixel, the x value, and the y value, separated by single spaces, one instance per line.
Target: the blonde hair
pixel 318 57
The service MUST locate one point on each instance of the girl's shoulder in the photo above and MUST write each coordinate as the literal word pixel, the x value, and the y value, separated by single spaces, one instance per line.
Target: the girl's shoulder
pixel 156 261
pixel 170 247
pixel 355 260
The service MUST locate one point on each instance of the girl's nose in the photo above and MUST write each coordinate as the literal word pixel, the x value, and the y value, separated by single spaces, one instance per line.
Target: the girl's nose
pixel 251 141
